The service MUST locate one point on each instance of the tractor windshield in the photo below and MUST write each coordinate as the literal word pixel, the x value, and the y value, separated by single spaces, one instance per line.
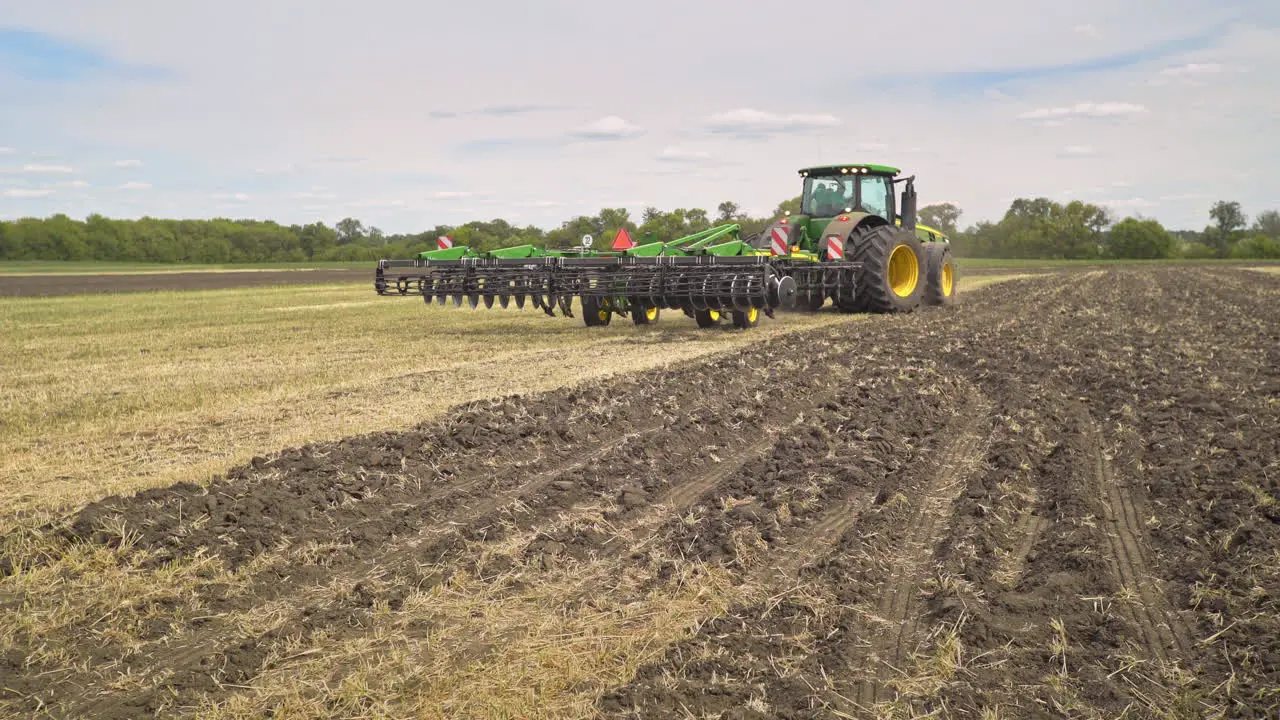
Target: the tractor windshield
pixel 827 196
pixel 831 196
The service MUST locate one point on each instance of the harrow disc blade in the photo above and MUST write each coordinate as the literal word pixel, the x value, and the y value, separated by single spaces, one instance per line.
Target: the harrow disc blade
pixel 488 302
pixel 520 301
pixel 457 300
pixel 473 300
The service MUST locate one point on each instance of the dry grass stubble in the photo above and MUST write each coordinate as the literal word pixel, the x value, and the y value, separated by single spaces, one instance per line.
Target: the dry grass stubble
pixel 114 394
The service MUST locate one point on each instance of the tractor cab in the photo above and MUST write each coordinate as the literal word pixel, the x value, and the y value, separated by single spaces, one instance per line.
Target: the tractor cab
pixel 833 190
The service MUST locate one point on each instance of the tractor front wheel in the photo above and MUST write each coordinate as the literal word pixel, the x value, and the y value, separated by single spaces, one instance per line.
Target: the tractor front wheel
pixel 940 283
pixel 891 279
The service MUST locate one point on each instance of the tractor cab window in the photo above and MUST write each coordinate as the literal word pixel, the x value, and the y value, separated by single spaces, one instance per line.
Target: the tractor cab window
pixel 876 194
pixel 826 197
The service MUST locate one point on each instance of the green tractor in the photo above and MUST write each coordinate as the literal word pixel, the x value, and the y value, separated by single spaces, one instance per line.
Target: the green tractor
pixel 850 243
pixel 848 214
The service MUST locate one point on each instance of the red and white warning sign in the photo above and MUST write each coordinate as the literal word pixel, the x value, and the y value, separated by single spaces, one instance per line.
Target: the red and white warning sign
pixel 444 242
pixel 778 241
pixel 835 247
pixel 622 241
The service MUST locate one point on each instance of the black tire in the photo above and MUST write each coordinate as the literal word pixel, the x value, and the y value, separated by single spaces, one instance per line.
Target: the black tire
pixel 594 313
pixel 942 278
pixel 893 271
pixel 644 314
pixel 707 318
pixel 746 319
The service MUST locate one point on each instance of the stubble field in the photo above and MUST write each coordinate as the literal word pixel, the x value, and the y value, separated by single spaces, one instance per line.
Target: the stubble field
pixel 1059 498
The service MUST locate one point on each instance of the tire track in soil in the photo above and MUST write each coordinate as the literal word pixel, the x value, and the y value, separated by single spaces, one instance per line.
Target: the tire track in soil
pixel 1162 630
pixel 1028 532
pixel 957 460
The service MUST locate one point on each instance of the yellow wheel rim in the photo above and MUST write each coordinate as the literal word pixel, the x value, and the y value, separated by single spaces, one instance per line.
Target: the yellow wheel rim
pixel 948 279
pixel 603 314
pixel 651 313
pixel 752 314
pixel 904 271
pixel 713 314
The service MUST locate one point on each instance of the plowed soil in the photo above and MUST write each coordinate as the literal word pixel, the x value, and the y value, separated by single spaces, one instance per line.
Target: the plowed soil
pixel 1058 498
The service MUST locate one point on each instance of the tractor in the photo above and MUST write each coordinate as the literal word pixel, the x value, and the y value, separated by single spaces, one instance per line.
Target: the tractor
pixel 851 243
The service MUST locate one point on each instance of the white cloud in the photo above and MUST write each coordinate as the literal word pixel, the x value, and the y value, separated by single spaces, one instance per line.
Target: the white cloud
pixel 871 146
pixel 608 128
pixel 276 169
pixel 1078 151
pixel 239 197
pixel 996 95
pixel 1194 69
pixel 538 203
pixel 679 154
pixel 748 121
pixel 128 163
pixel 72 184
pixel 1185 196
pixel 377 203
pixel 1136 203
pixel 1087 29
pixel 451 194
pixel 135 185
pixel 26 193
pixel 1084 109
pixel 313 194
pixel 7 151
pixel 48 169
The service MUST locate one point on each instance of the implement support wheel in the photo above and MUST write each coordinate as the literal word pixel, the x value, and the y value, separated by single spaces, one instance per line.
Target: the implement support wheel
pixel 941 280
pixel 746 318
pixel 707 318
pixel 644 314
pixel 892 277
pixel 594 313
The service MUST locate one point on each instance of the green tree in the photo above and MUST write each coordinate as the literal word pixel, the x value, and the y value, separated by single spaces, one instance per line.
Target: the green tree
pixel 350 231
pixel 943 216
pixel 1228 218
pixel 727 211
pixel 1268 223
pixel 1144 239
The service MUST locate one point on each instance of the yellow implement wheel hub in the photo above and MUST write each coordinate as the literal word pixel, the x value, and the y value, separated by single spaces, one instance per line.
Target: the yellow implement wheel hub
pixel 651 312
pixel 752 315
pixel 904 270
pixel 713 314
pixel 602 314
pixel 948 280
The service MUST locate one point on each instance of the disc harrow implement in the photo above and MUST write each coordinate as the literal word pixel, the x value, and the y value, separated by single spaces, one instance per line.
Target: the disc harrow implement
pixel 848 245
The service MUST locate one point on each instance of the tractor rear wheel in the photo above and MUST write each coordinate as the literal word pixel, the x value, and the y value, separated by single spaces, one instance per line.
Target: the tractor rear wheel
pixel 891 279
pixel 940 282
pixel 594 312
pixel 644 314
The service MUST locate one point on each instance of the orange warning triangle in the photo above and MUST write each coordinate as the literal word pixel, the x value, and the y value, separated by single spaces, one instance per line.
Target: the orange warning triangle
pixel 623 240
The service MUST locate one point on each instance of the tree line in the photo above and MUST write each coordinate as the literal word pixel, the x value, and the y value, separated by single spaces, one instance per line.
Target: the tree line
pixel 1032 228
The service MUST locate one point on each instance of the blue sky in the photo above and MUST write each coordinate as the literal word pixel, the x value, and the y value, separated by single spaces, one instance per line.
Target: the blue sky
pixel 411 114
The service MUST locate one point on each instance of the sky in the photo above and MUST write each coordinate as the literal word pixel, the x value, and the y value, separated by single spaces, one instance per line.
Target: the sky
pixel 406 115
